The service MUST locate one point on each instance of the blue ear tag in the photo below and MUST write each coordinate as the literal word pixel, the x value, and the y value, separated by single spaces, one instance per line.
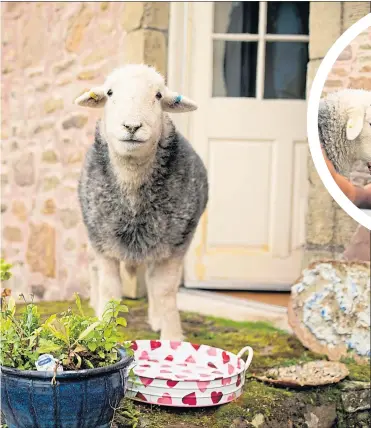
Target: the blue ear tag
pixel 178 99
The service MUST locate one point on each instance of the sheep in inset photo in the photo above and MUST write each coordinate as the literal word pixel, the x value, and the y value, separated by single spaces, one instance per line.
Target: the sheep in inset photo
pixel 344 127
pixel 142 191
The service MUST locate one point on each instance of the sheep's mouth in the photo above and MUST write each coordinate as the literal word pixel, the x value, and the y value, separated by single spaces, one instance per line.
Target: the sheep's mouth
pixel 131 141
pixel 369 167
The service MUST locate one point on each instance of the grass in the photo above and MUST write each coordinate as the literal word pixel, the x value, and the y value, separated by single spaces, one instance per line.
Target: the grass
pixel 272 347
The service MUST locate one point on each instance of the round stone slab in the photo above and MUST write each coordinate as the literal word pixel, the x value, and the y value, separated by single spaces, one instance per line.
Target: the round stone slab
pixel 329 309
pixel 314 373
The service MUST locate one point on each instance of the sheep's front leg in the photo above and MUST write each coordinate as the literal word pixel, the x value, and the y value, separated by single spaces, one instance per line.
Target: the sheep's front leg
pixel 94 283
pixel 163 280
pixel 93 277
pixel 154 308
pixel 109 283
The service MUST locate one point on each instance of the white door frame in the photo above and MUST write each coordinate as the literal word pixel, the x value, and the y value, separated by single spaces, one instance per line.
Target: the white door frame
pixel 181 27
pixel 179 57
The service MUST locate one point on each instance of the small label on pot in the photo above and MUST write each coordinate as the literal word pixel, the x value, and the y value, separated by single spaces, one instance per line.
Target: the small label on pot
pixel 47 363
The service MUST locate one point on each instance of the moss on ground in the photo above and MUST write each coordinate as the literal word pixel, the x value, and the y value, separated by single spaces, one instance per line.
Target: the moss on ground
pixel 272 347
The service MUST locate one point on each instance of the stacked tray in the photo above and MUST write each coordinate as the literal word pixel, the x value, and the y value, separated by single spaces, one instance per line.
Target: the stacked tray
pixel 184 374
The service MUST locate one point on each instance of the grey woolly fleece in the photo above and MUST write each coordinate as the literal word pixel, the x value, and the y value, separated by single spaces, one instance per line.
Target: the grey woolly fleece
pixel 332 120
pixel 332 123
pixel 157 220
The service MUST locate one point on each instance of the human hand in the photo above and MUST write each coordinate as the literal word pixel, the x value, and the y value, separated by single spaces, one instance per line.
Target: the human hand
pixel 349 190
pixel 363 197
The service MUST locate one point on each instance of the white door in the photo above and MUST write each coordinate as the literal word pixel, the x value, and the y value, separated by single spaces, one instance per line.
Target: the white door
pixel 244 63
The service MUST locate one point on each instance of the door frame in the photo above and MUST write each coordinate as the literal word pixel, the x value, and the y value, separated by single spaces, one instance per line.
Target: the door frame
pixel 178 79
pixel 179 68
pixel 179 57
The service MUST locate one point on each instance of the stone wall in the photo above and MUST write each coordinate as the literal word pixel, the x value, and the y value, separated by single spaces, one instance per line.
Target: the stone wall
pixel 329 228
pixel 51 53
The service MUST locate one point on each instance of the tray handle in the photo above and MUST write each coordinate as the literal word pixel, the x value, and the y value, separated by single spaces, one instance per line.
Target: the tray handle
pixel 249 356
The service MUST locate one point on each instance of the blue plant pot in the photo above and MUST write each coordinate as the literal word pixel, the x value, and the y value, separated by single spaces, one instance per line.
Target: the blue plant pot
pixel 80 399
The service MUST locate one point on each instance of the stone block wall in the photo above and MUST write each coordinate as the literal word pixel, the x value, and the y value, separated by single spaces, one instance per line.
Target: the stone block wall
pixel 329 228
pixel 51 53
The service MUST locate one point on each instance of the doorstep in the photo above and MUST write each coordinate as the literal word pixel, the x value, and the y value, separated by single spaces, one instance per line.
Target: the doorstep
pixel 277 298
pixel 233 308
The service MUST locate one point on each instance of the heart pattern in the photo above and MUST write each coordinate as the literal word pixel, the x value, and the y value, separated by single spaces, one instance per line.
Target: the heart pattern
pixel 144 356
pixel 146 381
pixel 211 352
pixel 238 383
pixel 165 399
pixel 216 396
pixel 231 397
pixel 173 373
pixel 140 396
pixel 190 399
pixel 174 344
pixel 202 385
pixel 155 344
pixel 226 357
pixel 226 381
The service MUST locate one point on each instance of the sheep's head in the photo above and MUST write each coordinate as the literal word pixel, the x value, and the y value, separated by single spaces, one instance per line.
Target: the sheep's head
pixel 134 98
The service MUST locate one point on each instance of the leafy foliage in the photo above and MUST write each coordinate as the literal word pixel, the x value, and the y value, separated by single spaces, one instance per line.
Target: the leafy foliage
pixel 76 340
pixel 5 273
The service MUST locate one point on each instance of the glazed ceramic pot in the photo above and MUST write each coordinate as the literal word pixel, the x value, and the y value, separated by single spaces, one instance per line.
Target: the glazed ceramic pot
pixel 183 374
pixel 79 399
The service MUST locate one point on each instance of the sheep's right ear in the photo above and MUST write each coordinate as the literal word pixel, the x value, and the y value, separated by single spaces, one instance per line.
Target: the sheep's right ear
pixel 173 102
pixel 95 98
pixel 355 122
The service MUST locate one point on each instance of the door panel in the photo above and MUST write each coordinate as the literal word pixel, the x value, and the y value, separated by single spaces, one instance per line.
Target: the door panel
pixel 238 210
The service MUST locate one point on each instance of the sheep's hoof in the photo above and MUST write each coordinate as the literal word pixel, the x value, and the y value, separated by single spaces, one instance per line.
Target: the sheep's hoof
pixel 98 310
pixel 169 334
pixel 155 323
pixel 176 337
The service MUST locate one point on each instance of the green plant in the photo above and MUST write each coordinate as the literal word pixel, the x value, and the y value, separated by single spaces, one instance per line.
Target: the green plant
pixel 77 341
pixel 5 273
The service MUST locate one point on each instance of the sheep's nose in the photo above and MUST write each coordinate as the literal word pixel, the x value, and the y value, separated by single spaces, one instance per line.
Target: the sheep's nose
pixel 132 128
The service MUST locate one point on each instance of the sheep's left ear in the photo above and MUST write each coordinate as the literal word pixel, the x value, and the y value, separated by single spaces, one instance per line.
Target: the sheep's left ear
pixel 356 118
pixel 95 98
pixel 173 102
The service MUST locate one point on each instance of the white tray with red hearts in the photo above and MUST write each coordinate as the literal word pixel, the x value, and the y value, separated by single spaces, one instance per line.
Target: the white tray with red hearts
pixel 184 374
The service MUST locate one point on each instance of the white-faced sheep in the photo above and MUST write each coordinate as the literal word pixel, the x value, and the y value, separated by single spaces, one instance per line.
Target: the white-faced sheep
pixel 344 126
pixel 142 191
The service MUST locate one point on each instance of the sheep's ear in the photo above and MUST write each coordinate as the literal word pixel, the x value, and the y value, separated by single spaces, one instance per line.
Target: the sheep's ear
pixel 173 102
pixel 355 122
pixel 95 98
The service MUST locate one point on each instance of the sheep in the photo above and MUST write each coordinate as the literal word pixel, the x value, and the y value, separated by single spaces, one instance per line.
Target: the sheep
pixel 344 127
pixel 142 191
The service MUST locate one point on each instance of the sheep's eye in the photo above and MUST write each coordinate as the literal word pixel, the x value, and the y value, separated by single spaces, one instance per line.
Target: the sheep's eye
pixel 109 92
pixel 158 95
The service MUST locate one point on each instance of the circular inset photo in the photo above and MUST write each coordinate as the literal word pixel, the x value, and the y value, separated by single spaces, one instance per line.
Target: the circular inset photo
pixel 339 121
